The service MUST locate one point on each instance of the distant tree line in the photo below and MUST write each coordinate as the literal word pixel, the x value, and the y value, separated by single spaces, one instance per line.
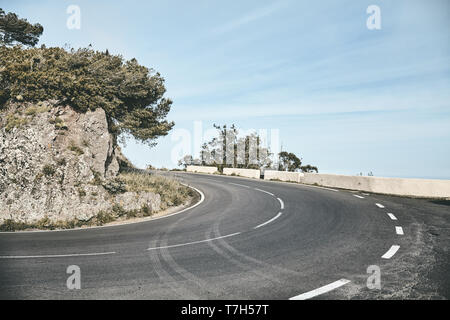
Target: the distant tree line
pixel 229 150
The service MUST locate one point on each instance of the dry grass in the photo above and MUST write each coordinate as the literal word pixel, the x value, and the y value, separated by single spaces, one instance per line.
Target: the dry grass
pixel 171 191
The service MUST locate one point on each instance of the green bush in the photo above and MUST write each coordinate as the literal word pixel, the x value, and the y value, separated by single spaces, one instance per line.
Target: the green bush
pixel 130 94
pixel 48 170
pixel 115 186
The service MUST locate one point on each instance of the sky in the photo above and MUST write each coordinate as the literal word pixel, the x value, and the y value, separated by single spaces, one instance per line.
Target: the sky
pixel 344 98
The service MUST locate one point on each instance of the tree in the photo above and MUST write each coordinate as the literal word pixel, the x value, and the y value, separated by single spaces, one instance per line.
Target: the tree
pixel 228 150
pixel 16 30
pixel 309 169
pixel 131 95
pixel 288 162
pixel 186 161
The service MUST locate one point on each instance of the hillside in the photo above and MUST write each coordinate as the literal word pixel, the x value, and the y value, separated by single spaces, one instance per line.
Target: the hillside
pixel 59 168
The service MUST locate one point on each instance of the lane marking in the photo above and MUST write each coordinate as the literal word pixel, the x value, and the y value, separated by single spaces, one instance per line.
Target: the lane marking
pixel 393 250
pixel 358 196
pixel 265 192
pixel 240 185
pixel 321 290
pixel 281 203
pixel 399 230
pixel 58 255
pixel 269 221
pixel 366 194
pixel 379 205
pixel 194 242
pixel 392 216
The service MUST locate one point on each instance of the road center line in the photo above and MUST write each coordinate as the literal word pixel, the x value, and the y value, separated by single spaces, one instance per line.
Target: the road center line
pixel 58 255
pixel 194 242
pixel 281 203
pixel 390 253
pixel 392 216
pixel 240 185
pixel 399 231
pixel 379 205
pixel 358 196
pixel 265 192
pixel 321 290
pixel 269 221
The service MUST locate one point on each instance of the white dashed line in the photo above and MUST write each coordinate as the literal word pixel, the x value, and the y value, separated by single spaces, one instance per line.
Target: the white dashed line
pixel 321 290
pixel 195 242
pixel 58 255
pixel 265 192
pixel 240 185
pixel 281 203
pixel 392 216
pixel 399 231
pixel 358 196
pixel 379 205
pixel 269 221
pixel 393 250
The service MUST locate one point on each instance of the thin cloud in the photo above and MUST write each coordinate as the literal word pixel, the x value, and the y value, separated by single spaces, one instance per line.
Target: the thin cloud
pixel 250 17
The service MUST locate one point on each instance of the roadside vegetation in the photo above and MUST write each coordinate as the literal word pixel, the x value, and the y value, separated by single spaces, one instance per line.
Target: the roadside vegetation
pixel 171 191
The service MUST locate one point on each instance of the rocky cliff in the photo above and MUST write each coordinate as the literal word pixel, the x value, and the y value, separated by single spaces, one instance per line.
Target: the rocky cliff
pixel 60 165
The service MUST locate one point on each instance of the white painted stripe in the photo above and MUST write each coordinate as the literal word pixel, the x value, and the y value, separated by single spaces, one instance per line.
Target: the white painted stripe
pixel 393 250
pixel 321 290
pixel 366 194
pixel 269 221
pixel 281 203
pixel 392 216
pixel 237 184
pixel 265 191
pixel 399 230
pixel 358 196
pixel 379 205
pixel 194 242
pixel 58 255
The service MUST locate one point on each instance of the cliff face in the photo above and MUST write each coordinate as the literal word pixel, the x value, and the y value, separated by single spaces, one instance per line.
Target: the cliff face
pixel 57 163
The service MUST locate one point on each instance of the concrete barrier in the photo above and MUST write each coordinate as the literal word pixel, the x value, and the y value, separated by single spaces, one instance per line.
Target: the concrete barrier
pixel 395 186
pixel 283 175
pixel 248 173
pixel 201 169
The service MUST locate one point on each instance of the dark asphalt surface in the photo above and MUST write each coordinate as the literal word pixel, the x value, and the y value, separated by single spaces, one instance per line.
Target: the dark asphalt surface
pixel 322 236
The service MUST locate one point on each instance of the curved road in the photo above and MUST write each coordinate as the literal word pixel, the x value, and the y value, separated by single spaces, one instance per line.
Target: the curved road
pixel 248 239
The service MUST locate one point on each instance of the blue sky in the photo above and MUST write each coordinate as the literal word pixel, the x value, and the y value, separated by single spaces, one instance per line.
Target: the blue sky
pixel 344 98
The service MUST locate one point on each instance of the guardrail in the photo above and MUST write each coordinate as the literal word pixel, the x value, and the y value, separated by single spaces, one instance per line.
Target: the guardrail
pixel 423 188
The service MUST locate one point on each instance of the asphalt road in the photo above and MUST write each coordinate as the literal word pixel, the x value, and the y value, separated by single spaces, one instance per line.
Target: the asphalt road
pixel 248 239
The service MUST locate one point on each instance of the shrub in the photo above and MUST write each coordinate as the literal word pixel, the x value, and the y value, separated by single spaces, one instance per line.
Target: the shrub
pixel 115 186
pixel 13 121
pixel 171 191
pixel 61 162
pixel 48 170
pixel 131 95
pixel 74 148
pixel 32 111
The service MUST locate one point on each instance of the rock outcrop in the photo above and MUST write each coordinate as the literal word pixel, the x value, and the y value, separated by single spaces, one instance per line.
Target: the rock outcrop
pixel 57 163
